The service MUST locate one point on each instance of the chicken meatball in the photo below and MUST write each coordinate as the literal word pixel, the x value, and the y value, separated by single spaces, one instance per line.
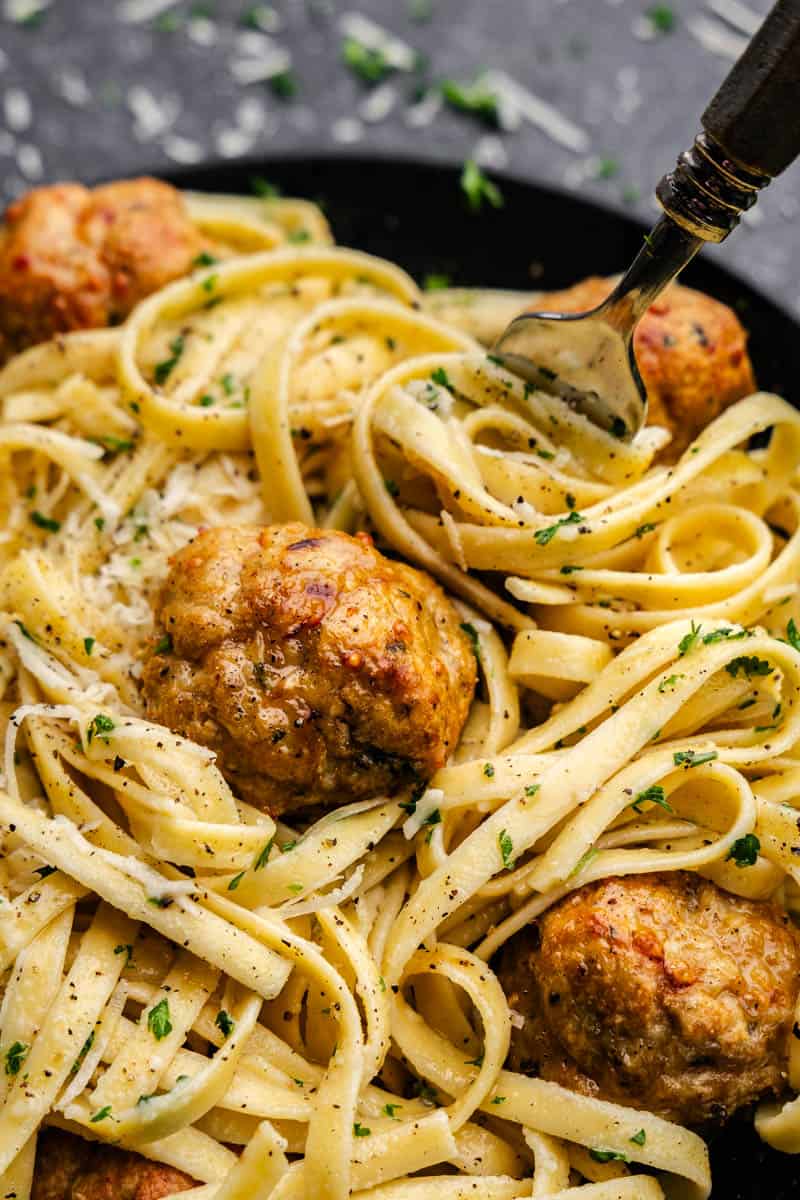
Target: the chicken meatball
pixel 71 258
pixel 658 991
pixel 691 351
pixel 68 1168
pixel 317 669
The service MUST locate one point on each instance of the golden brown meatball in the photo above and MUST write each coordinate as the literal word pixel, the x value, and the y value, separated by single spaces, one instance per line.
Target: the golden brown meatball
pixel 71 258
pixel 691 351
pixel 318 670
pixel 68 1168
pixel 658 991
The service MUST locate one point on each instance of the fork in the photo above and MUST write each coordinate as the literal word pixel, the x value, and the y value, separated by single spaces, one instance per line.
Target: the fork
pixel 750 133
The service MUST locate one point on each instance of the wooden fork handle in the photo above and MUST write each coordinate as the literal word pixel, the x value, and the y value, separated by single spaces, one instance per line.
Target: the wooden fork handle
pixel 755 115
pixel 751 132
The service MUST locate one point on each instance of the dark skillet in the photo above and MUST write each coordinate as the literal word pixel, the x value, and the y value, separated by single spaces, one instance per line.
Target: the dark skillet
pixel 413 213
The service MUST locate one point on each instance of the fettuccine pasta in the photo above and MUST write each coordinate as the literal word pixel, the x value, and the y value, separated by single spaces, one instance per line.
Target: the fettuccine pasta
pixel 307 1009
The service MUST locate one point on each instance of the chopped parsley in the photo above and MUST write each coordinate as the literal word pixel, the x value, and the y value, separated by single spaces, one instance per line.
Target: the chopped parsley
pixel 125 949
pixel 15 1056
pixel 693 758
pixel 43 522
pixel 532 789
pixel 662 18
pixel 477 188
pixel 391 487
pixel 669 682
pixel 297 236
pixel 164 369
pixel 648 527
pixel 434 818
pixel 488 770
pixel 435 282
pixel 234 883
pixel 506 849
pixel 639 1138
pixel 544 536
pixel 114 445
pixel 724 635
pixel 101 1114
pixel 607 168
pixel 568 569
pixel 689 640
pixel 744 850
pixel 604 1156
pixel 439 375
pixel 45 872
pixel 748 665
pixel 371 66
pixel 262 858
pixel 204 259
pixel 84 1050
pixel 474 98
pixel 225 1023
pixel 389 1110
pixel 793 635
pixel 158 1021
pixel 260 186
pixel 164 644
pixel 295 887
pixel 361 1130
pixel 99 726
pixel 284 86
pixel 654 793
pixel 88 644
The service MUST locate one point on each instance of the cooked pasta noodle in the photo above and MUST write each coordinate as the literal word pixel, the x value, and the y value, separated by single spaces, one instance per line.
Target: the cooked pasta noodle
pixel 182 974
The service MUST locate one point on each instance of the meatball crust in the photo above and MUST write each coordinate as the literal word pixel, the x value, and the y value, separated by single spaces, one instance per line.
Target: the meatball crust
pixel 69 1168
pixel 71 258
pixel 691 351
pixel 318 670
pixel 658 991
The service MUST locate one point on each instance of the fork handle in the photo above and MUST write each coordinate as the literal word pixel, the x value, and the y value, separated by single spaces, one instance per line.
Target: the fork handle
pixel 755 115
pixel 751 132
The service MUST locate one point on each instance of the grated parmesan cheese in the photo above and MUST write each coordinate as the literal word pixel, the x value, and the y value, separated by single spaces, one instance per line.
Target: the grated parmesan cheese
pixel 538 112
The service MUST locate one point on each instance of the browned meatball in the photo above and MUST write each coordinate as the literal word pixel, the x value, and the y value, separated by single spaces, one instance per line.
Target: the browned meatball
pixel 691 351
pixel 71 258
pixel 68 1168
pixel 659 991
pixel 318 670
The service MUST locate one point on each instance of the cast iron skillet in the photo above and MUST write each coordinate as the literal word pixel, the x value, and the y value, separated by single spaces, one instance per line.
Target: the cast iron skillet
pixel 414 214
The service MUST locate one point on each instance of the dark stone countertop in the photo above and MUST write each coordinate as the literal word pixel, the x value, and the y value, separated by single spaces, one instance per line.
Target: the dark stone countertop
pixel 85 91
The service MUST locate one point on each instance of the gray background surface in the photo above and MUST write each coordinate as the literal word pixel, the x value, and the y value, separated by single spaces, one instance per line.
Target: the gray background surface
pixel 92 88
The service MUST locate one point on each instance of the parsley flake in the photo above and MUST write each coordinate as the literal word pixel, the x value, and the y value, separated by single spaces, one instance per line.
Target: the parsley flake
pixel 225 1023
pixel 544 536
pixel 744 850
pixel 693 758
pixel 15 1056
pixel 164 369
pixel 158 1021
pixel 477 188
